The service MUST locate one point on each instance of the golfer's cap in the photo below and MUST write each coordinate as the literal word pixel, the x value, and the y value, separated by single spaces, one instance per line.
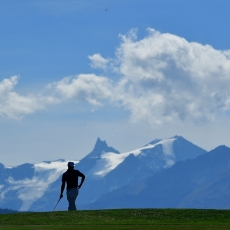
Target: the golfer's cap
pixel 71 164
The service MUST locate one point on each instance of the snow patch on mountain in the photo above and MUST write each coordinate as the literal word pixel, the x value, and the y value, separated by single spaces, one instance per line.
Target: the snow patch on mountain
pixel 110 160
pixel 167 145
pixel 29 190
pixel 8 167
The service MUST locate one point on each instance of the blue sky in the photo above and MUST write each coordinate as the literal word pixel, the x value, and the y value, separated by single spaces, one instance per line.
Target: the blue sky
pixel 126 71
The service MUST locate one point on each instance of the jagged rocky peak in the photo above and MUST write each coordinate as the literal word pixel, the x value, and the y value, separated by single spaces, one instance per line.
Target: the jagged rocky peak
pixel 101 147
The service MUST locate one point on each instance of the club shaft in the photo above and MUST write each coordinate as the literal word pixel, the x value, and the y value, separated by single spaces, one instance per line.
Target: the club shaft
pixel 56 204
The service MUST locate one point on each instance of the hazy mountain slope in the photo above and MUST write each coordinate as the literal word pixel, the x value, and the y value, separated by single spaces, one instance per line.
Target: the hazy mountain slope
pixel 199 183
pixel 7 211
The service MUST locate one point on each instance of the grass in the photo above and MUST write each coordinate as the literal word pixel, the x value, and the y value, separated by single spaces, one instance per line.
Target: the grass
pixel 119 219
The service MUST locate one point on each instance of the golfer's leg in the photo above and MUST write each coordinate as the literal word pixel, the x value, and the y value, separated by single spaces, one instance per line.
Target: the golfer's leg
pixel 75 197
pixel 67 195
pixel 72 204
pixel 70 200
pixel 71 197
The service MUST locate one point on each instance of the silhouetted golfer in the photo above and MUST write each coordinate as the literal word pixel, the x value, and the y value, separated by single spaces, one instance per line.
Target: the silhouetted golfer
pixel 71 178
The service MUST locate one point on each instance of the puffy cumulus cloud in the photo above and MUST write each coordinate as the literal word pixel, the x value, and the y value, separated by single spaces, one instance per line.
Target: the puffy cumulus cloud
pixel 14 106
pixel 88 88
pixel 161 78
pixel 165 77
pixel 98 62
pixel 84 87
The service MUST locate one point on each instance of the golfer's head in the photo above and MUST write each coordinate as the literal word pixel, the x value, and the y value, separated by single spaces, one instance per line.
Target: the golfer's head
pixel 71 165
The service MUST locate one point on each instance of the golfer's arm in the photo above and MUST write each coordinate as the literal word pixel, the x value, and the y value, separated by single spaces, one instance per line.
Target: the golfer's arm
pixel 82 180
pixel 62 187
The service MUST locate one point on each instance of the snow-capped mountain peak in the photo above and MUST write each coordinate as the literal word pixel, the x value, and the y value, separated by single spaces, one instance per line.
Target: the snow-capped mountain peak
pixel 110 160
pixel 163 151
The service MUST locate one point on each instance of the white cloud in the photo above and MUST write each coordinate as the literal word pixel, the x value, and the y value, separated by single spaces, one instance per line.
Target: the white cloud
pixel 98 62
pixel 84 87
pixel 165 77
pixel 14 106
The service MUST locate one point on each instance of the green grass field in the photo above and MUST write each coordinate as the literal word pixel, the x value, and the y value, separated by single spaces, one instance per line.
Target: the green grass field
pixel 119 219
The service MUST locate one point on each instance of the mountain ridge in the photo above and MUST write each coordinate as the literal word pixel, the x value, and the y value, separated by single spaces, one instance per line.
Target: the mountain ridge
pixel 106 169
pixel 203 182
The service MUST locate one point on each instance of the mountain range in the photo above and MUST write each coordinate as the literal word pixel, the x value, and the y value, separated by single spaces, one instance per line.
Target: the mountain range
pixel 171 172
pixel 203 182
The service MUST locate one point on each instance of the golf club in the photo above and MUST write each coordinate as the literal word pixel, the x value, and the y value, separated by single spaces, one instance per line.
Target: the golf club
pixel 56 204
